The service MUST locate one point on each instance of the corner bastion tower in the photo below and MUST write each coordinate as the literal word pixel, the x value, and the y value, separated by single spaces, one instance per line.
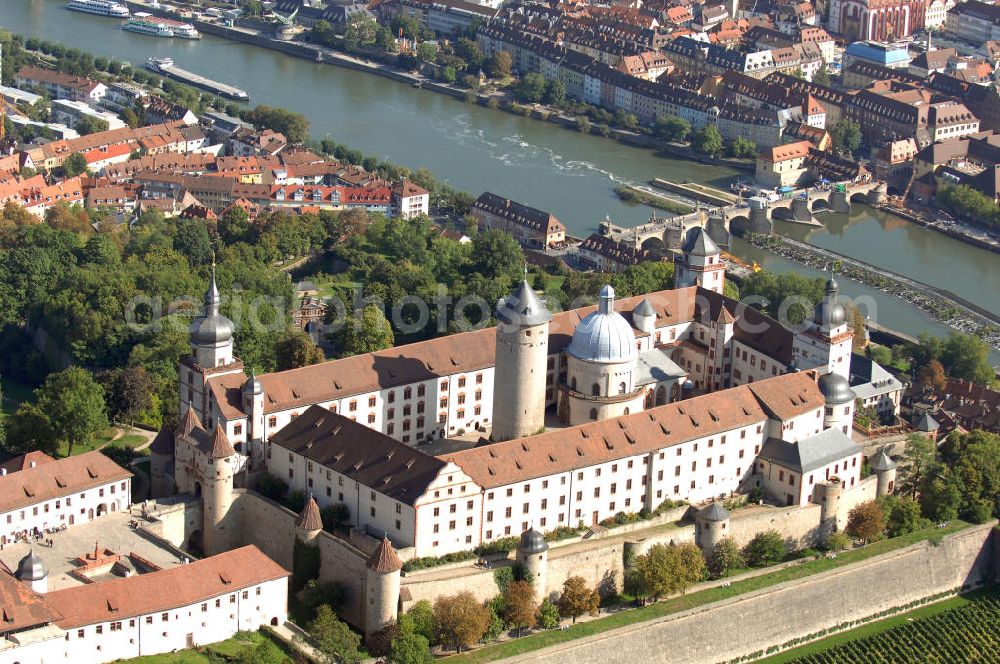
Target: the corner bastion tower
pixel 521 357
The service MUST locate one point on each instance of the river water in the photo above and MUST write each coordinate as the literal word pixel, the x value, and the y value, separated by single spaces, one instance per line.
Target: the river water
pixel 477 149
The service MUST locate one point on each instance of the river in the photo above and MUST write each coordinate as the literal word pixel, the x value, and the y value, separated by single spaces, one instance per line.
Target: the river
pixel 477 149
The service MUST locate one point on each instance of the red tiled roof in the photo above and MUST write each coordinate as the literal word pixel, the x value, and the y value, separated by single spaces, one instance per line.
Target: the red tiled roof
pixel 60 477
pixel 164 590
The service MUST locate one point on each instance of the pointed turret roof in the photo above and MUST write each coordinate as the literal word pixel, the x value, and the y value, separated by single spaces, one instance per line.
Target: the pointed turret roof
pixel 724 316
pixel 189 423
pixel 523 307
pixel 309 518
pixel 384 559
pixel 219 446
pixel 926 423
pixel 644 308
pixel 700 244
pixel 714 512
pixel 163 443
pixel 882 462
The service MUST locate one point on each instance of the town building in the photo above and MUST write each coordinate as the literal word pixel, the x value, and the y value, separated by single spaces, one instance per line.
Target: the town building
pixel 71 112
pixel 783 165
pixel 60 86
pixel 57 492
pixel 532 228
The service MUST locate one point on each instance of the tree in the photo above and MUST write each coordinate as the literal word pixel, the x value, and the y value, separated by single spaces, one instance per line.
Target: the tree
pixel 519 608
pixel 531 88
pixel 252 7
pixel 918 459
pixel 967 356
pixel 496 254
pixel 500 65
pixel 837 541
pixel 29 429
pixel 555 95
pixel 361 29
pixel 460 620
pixel 427 52
pixel 741 148
pixel 671 128
pixel 419 620
pixel 129 393
pixel 334 638
pixel 866 522
pixel 88 124
pixel 707 141
pixel 410 649
pixel 449 74
pixel 846 136
pixel 3 430
pixel 941 496
pixel 192 240
pixel 726 558
pixel 367 334
pixel 75 164
pixel 932 374
pixel 577 599
pixel 234 224
pixel 822 77
pixel 548 614
pixel 129 117
pixel 74 404
pixel 665 570
pixel 902 515
pixel 469 50
pixel 766 548
pixel 297 349
pixel 334 516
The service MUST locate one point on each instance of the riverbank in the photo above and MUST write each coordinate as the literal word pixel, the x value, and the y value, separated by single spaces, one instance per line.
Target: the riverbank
pixel 943 305
pixel 958 233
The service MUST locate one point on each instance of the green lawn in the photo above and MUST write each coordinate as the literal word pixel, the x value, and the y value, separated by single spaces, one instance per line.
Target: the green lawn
pixel 685 602
pixel 229 649
pixel 880 626
pixel 101 439
pixel 13 394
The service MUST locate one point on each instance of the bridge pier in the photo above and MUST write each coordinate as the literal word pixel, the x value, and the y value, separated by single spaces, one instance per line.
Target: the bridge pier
pixel 800 211
pixel 839 202
pixel 760 221
pixel 878 194
pixel 718 230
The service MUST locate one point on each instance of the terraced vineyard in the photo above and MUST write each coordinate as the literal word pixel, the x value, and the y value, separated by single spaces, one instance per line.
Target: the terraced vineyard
pixel 969 634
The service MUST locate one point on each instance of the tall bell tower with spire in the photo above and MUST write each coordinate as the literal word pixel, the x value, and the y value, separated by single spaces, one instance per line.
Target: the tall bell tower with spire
pixel 211 338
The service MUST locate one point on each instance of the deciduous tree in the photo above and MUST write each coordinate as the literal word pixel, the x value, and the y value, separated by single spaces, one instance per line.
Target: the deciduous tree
pixel 520 609
pixel 74 404
pixel 334 638
pixel 460 620
pixel 707 140
pixel 410 649
pixel 916 462
pixel 726 558
pixel 368 333
pixel 665 570
pixel 766 548
pixel 866 522
pixel 500 65
pixel 297 349
pixel 577 599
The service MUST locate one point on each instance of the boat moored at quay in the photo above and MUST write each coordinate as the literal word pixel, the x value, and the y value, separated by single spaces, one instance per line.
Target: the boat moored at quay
pixel 99 7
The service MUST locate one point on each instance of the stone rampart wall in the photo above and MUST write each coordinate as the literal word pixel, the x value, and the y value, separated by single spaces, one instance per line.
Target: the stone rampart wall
pixel 772 616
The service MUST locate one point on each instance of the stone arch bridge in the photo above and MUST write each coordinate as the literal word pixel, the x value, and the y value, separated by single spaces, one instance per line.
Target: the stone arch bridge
pixel 720 222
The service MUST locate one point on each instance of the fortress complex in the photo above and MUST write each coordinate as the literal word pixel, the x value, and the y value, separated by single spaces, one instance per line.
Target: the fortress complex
pixel 683 394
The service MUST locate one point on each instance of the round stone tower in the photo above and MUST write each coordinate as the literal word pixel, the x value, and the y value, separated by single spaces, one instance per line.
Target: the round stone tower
pixel 828 495
pixel 839 397
pixel 521 358
pixel 308 523
pixel 217 491
pixel 644 316
pixel 32 572
pixel 533 557
pixel 885 470
pixel 713 525
pixel 382 587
